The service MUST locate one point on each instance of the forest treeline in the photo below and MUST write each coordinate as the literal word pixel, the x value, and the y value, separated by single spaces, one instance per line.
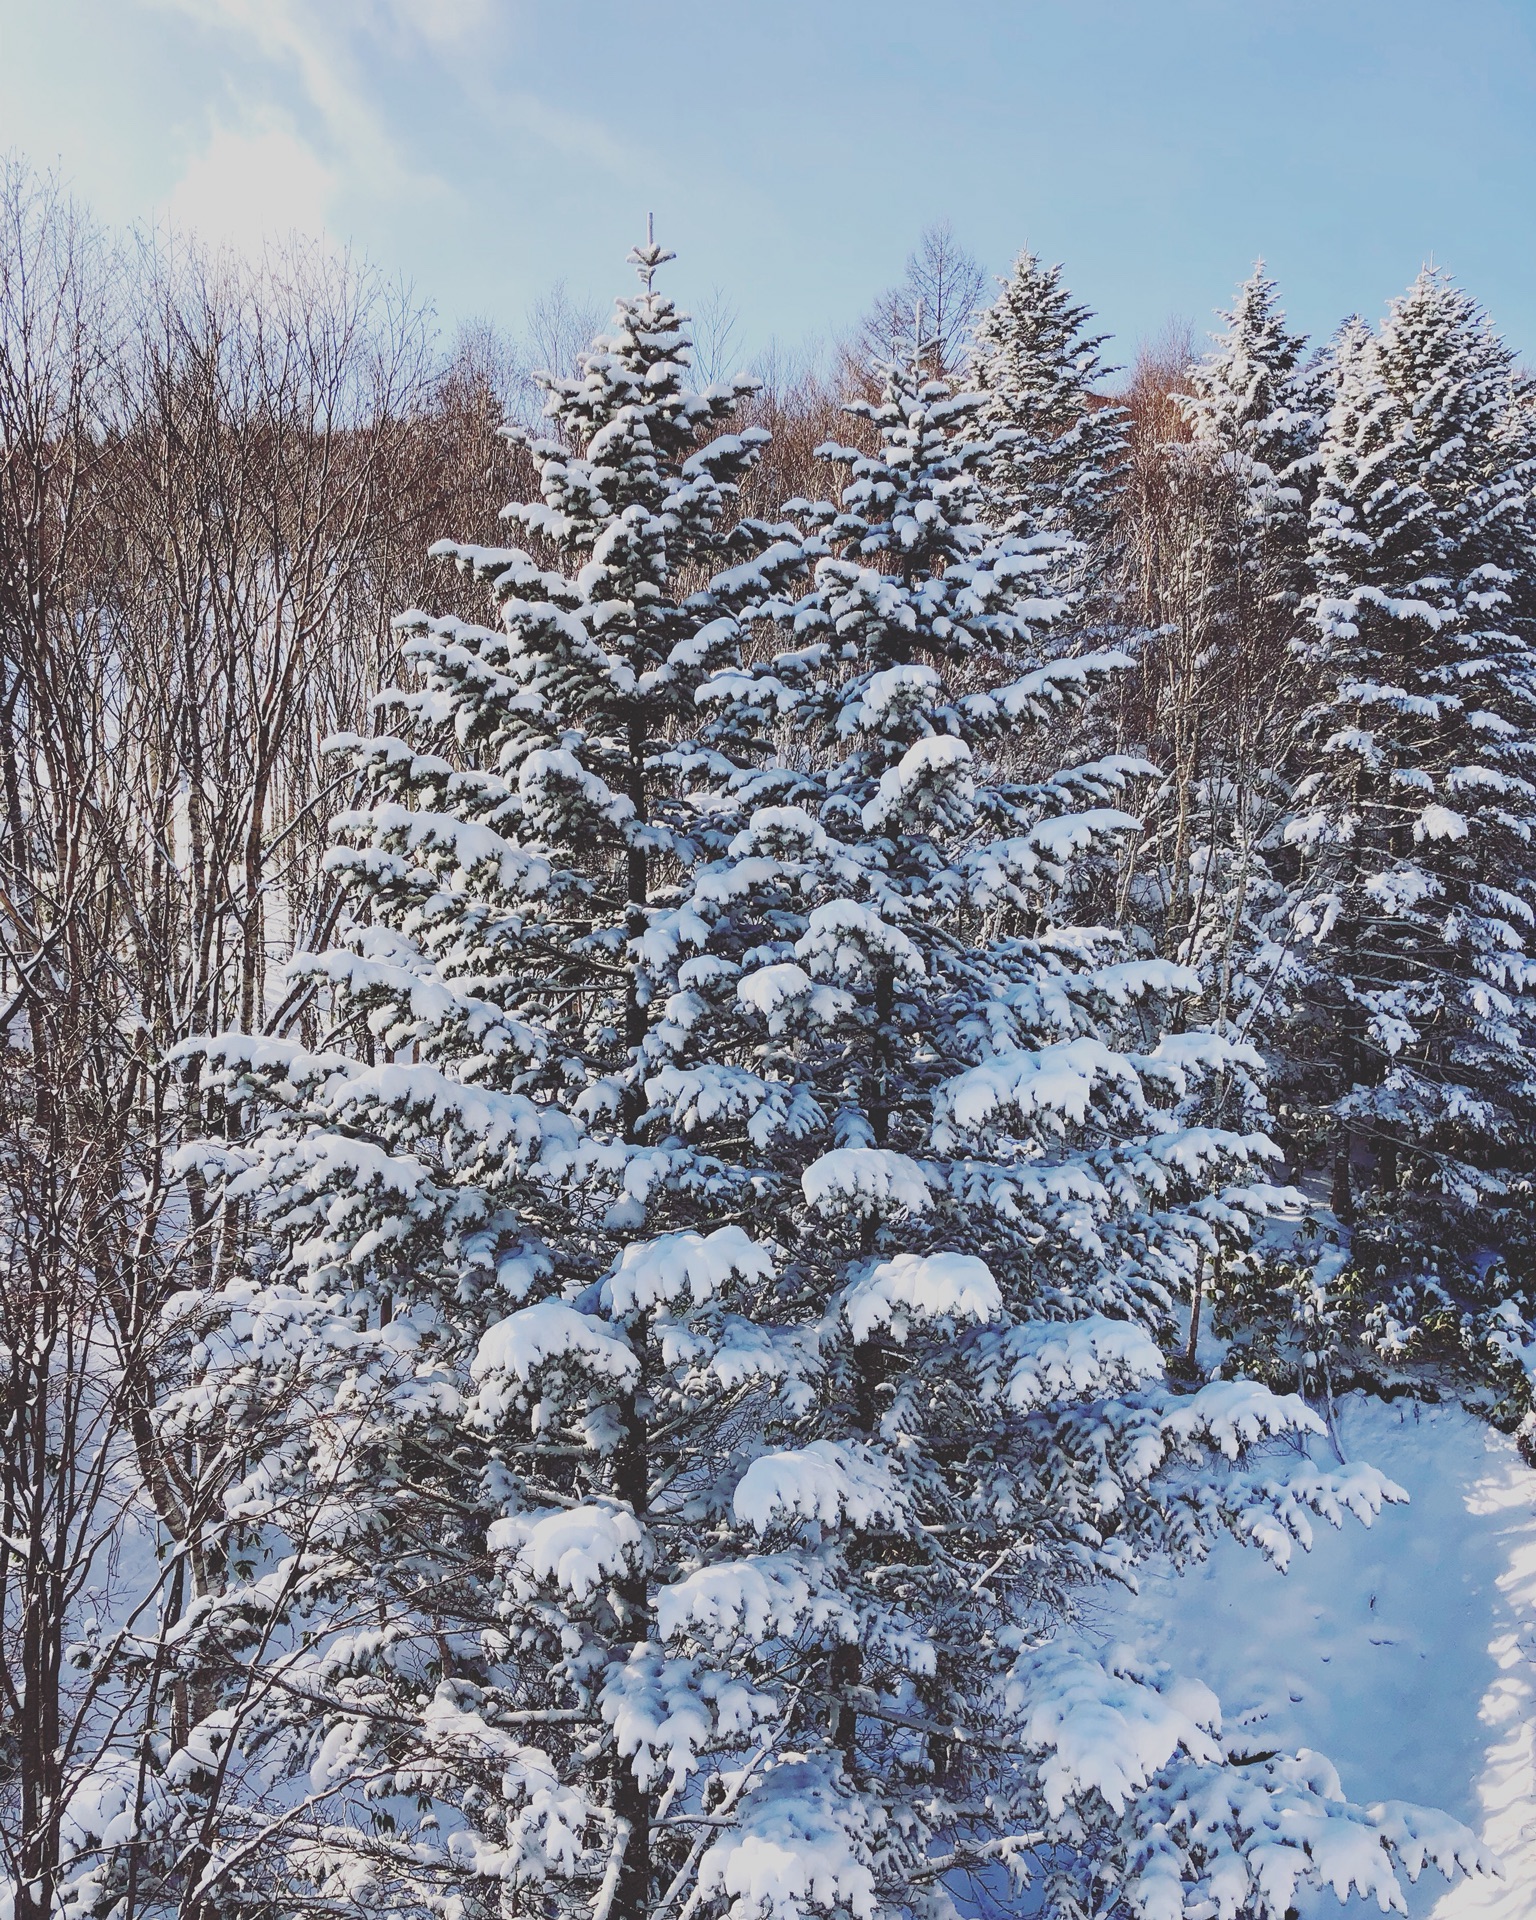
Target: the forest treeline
pixel 1234 760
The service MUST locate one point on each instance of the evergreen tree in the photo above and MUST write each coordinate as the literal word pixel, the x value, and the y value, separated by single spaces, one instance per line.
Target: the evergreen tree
pixel 1059 447
pixel 708 1352
pixel 1415 902
pixel 1242 485
pixel 911 902
pixel 478 1145
pixel 1254 405
pixel 1217 514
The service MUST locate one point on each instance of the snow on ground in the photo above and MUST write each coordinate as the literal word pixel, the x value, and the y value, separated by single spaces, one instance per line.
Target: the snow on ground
pixel 1405 1652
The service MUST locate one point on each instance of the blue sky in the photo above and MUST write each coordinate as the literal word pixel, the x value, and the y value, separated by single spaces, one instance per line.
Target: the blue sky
pixel 792 151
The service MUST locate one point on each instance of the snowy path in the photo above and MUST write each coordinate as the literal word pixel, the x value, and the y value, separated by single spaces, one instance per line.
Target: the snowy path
pixel 1406 1653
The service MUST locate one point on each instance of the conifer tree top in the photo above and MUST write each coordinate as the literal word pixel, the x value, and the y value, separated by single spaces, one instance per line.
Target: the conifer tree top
pixel 1061 449
pixel 1246 395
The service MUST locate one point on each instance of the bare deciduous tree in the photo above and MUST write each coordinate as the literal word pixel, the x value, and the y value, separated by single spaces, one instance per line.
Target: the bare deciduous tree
pixel 931 308
pixel 217 486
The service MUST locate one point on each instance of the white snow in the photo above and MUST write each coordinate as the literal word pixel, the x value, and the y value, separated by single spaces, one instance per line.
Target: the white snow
pixel 794 1850
pixel 1233 1414
pixel 1440 823
pixel 770 989
pixel 516 1347
pixel 914 1286
pixel 938 762
pixel 1107 1726
pixel 779 991
pixel 573 1548
pixel 754 1598
pixel 549 772
pixel 864 1180
pixel 1074 833
pixel 785 832
pixel 846 941
pixel 1044 1362
pixel 830 1482
pixel 651 1272
pixel 900 688
pixel 658 1706
pixel 1405 1652
pixel 1058 1079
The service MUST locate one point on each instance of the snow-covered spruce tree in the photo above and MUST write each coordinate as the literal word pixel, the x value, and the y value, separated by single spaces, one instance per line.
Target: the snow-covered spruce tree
pixel 708 1351
pixel 470 1138
pixel 1413 909
pixel 1246 477
pixel 986 1248
pixel 1059 449
pixel 1254 405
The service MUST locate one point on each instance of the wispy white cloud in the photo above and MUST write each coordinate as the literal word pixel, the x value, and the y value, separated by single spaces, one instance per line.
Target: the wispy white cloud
pixel 305 109
pixel 443 23
pixel 379 122
pixel 320 44
pixel 251 182
pixel 572 134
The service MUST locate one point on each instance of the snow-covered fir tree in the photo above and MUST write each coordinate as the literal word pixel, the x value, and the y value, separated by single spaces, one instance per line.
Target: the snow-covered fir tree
pixel 471 1140
pixel 721 1252
pixel 1254 405
pixel 1059 448
pixel 928 978
pixel 1240 489
pixel 1412 914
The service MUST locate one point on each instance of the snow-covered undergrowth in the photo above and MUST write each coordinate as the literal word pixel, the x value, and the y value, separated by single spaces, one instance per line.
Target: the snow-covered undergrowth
pixel 1405 1652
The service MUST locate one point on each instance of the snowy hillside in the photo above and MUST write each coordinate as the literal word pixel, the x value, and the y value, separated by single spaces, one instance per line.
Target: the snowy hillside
pixel 1406 1652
